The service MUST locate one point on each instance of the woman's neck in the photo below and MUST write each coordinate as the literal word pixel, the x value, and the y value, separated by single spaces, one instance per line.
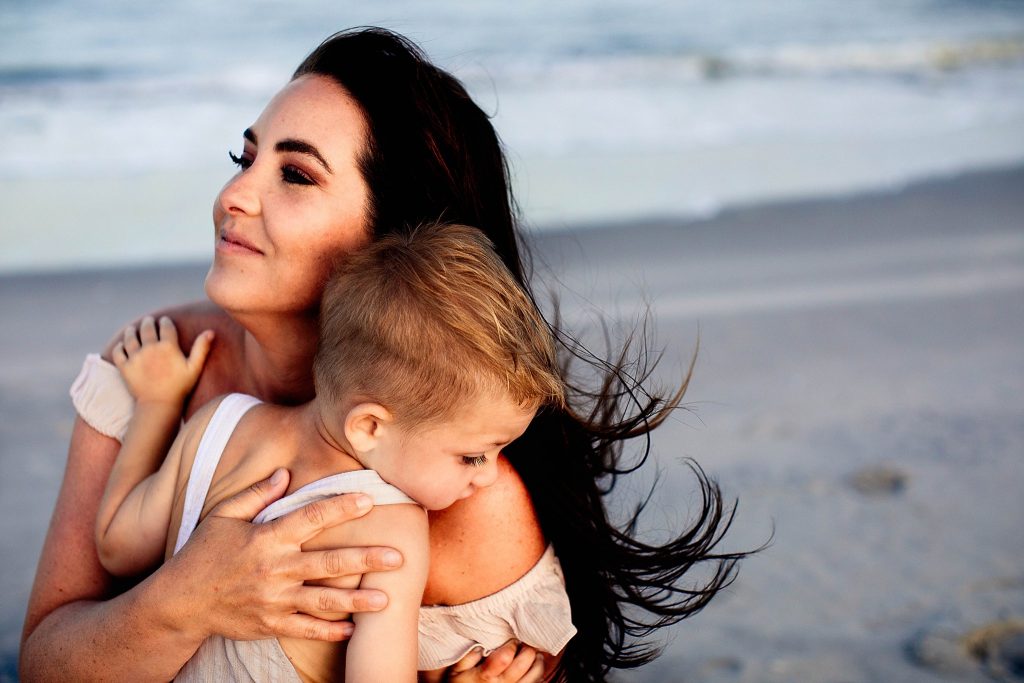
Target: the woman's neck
pixel 277 356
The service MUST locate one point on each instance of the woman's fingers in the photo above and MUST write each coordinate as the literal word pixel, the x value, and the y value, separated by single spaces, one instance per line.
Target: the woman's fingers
pixel 321 600
pixel 263 577
pixel 303 524
pixel 327 564
pixel 119 355
pixel 308 521
pixel 526 667
pixel 248 503
pixel 498 661
pixel 511 663
pixel 310 628
pixel 471 659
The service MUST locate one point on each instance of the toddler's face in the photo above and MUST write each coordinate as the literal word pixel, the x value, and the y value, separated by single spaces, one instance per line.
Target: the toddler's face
pixel 442 463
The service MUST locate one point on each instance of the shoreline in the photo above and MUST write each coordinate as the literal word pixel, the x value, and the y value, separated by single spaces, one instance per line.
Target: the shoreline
pixel 996 182
pixel 995 187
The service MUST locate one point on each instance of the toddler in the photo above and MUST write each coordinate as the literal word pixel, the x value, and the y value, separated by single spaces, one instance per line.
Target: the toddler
pixel 431 359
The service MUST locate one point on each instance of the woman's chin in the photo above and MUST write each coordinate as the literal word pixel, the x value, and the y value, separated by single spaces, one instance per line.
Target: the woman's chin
pixel 227 290
pixel 213 285
pixel 246 292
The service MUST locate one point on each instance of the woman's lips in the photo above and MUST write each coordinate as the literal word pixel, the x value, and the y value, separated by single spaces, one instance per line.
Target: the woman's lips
pixel 236 244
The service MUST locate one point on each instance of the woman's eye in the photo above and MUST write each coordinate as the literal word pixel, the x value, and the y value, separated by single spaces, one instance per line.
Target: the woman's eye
pixel 290 174
pixel 240 162
pixel 474 460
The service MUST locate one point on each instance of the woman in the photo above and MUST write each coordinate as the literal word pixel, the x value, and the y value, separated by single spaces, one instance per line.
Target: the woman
pixel 368 136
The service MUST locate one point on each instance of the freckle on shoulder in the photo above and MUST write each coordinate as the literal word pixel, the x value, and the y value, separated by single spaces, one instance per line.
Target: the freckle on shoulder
pixel 494 537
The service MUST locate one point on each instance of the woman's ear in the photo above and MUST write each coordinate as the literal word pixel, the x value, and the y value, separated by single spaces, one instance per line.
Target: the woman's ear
pixel 365 425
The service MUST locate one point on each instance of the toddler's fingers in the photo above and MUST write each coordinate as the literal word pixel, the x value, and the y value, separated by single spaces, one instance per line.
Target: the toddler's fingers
pixel 167 330
pixel 118 355
pixel 147 330
pixel 200 349
pixel 130 339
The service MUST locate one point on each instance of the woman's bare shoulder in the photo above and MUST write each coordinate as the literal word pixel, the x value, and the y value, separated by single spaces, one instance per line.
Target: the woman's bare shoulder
pixel 190 319
pixel 483 543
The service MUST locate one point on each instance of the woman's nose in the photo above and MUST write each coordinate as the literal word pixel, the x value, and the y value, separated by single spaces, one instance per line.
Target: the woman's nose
pixel 239 196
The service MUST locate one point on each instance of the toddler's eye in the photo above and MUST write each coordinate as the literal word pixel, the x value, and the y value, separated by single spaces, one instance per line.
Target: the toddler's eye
pixel 474 460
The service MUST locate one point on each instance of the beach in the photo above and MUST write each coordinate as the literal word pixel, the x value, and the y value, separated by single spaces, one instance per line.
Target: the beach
pixel 857 390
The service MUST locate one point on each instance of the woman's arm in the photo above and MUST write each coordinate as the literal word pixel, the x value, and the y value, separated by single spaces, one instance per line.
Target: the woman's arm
pixel 494 537
pixel 70 633
pixel 232 577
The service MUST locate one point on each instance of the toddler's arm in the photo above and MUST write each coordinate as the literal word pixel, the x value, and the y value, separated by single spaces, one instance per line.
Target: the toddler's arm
pixel 384 645
pixel 131 527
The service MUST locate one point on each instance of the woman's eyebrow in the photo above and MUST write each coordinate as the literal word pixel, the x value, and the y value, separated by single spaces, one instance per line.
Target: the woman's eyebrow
pixel 302 147
pixel 293 145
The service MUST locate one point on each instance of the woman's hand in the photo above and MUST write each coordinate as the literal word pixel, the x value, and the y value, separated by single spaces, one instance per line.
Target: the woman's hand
pixel 246 581
pixel 510 663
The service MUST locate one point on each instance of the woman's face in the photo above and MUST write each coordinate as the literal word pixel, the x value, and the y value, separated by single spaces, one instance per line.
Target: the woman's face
pixel 297 202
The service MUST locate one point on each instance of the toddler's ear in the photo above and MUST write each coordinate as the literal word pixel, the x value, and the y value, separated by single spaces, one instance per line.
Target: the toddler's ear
pixel 365 425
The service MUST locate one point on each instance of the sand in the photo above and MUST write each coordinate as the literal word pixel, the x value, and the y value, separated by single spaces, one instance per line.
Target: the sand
pixel 858 389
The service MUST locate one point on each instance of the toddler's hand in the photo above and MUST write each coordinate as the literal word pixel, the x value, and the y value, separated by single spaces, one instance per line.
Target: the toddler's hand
pixel 153 365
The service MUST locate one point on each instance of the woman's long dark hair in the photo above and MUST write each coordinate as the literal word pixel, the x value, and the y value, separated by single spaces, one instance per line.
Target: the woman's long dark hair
pixel 432 154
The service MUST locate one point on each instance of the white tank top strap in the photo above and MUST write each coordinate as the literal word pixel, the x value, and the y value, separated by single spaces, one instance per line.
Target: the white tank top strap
pixel 231 409
pixel 357 481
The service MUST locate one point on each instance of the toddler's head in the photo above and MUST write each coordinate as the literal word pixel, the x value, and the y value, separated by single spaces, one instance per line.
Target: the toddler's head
pixel 431 359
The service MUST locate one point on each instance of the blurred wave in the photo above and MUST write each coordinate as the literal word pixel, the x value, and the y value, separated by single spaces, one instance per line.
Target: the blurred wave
pixel 894 59
pixel 608 111
pixel 787 60
pixel 29 76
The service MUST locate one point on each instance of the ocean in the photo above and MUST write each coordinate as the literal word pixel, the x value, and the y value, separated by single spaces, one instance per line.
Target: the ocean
pixel 116 117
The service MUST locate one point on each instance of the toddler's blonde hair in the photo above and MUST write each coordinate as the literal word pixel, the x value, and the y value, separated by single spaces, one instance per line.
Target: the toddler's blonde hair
pixel 427 321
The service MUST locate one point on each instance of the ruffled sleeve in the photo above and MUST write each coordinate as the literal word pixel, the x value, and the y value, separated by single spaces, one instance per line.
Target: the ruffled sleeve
pixel 534 610
pixel 101 398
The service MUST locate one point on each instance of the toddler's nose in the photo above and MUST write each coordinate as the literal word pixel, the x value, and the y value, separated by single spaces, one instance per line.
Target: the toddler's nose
pixel 488 474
